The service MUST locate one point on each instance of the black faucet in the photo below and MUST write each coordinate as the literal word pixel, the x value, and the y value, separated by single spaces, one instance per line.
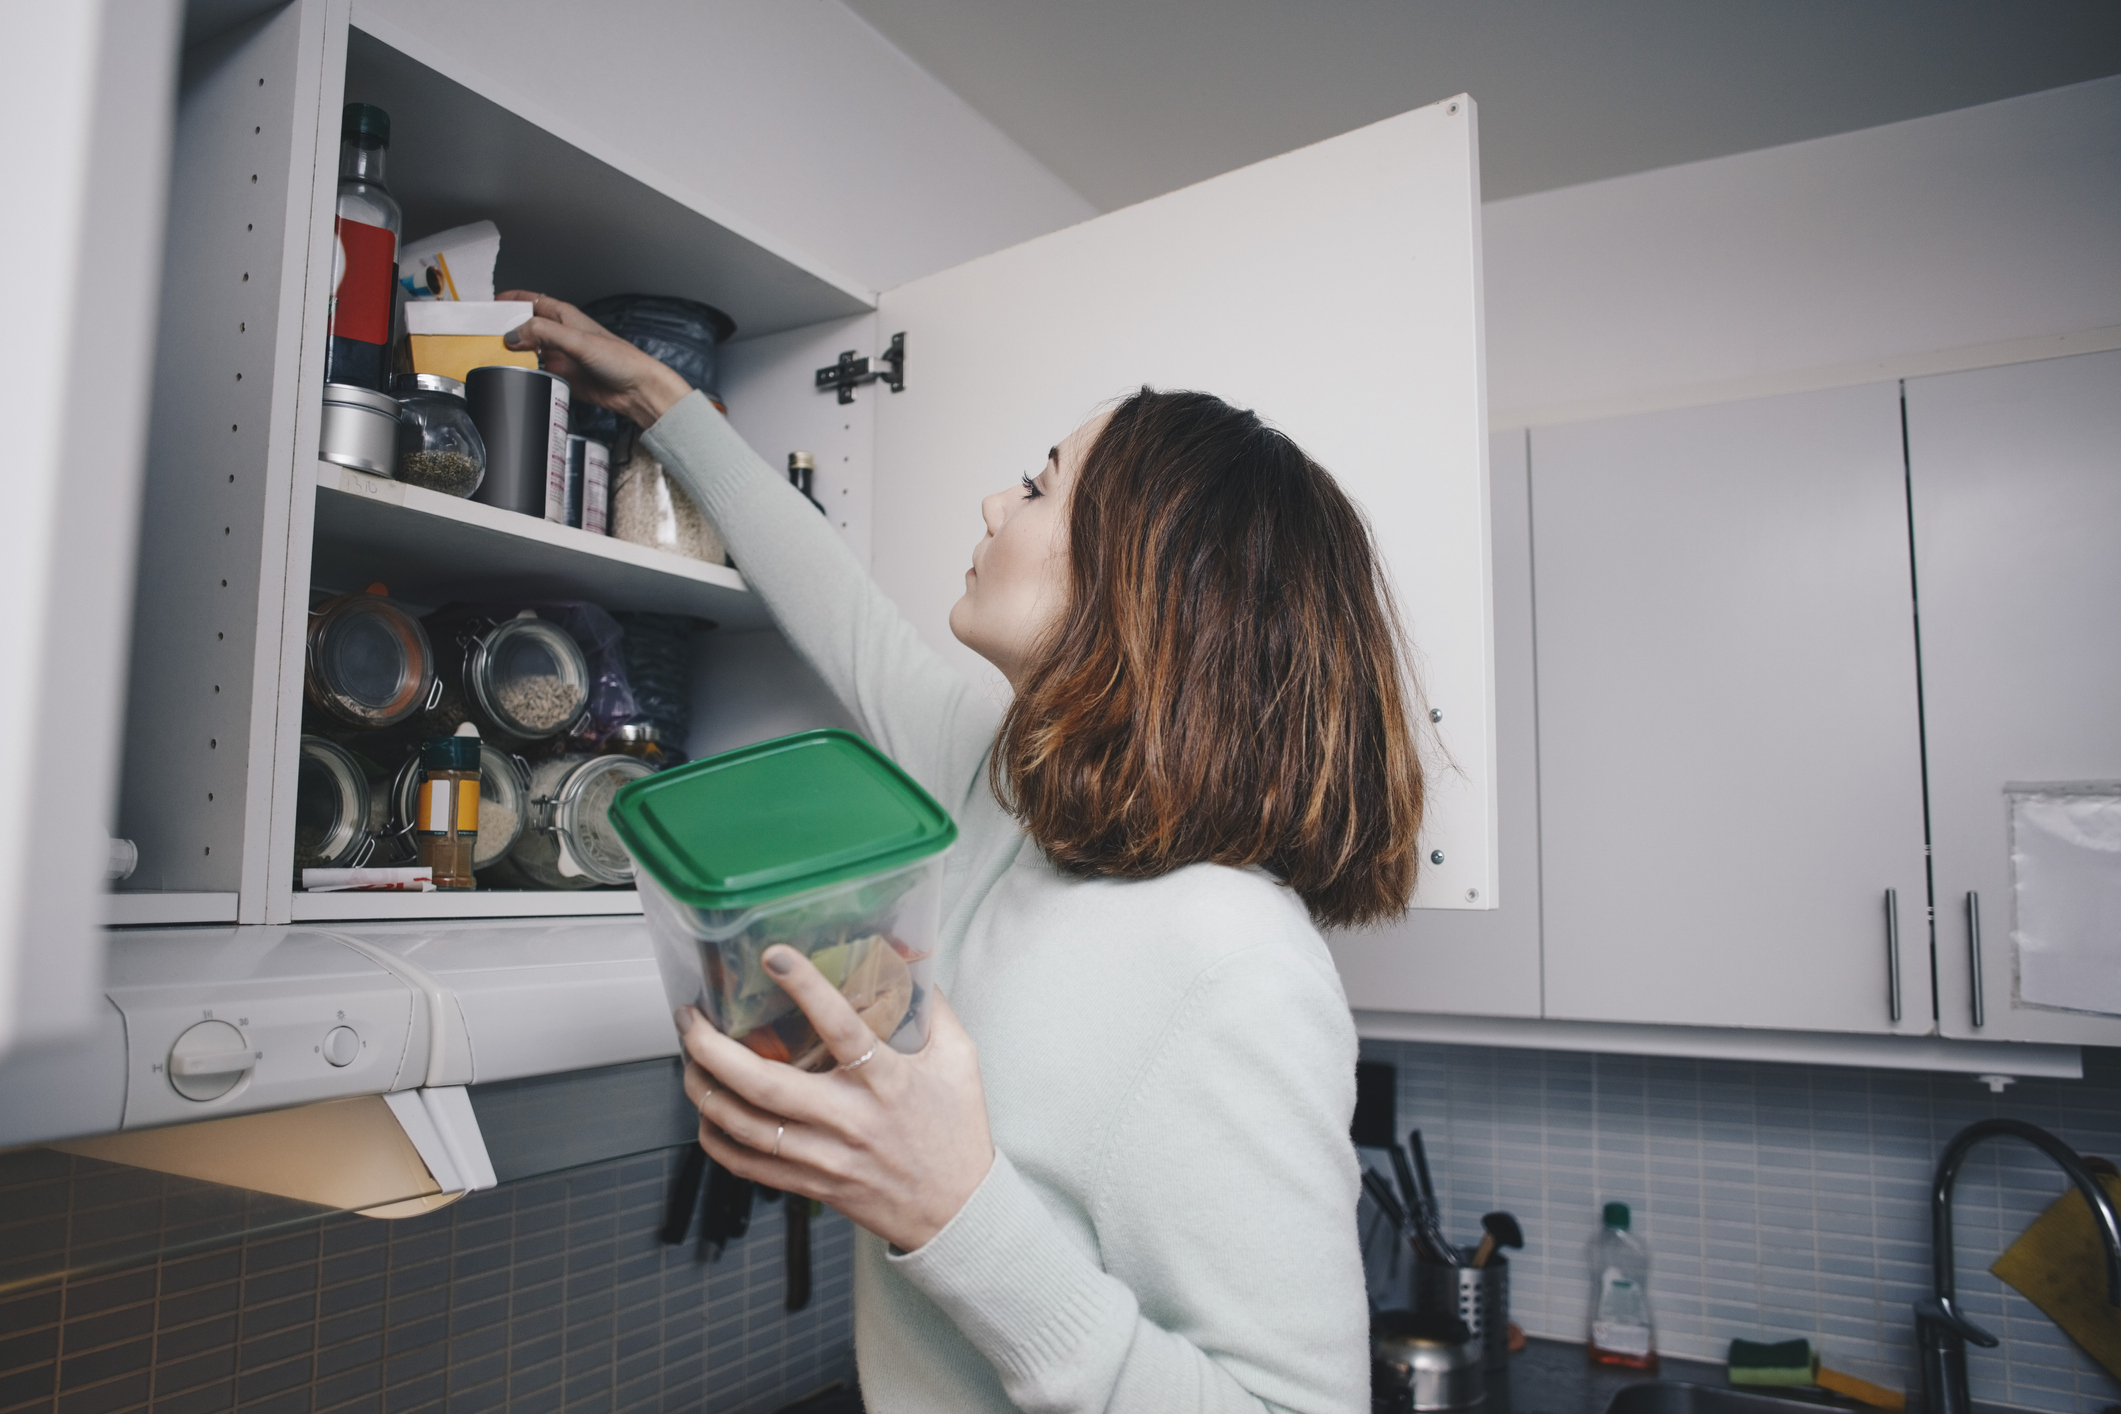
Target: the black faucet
pixel 1940 1331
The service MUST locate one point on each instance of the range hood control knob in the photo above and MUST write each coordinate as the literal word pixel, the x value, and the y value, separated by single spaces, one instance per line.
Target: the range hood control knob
pixel 209 1060
pixel 342 1046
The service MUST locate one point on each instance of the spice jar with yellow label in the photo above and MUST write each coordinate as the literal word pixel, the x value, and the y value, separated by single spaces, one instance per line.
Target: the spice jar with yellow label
pixel 446 824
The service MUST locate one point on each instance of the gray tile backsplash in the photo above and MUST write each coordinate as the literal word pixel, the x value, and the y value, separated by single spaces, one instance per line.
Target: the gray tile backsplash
pixel 545 1294
pixel 1778 1200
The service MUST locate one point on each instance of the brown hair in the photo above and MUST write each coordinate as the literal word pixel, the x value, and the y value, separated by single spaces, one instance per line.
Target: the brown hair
pixel 1225 684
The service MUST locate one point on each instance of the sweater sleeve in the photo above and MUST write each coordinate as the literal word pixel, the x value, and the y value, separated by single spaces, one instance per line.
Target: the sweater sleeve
pixel 1230 1277
pixel 923 713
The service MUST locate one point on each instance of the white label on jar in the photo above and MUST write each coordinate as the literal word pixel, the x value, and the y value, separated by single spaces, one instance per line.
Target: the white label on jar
pixel 556 457
pixel 596 488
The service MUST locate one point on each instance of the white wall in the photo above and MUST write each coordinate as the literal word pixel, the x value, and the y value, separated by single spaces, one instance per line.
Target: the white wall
pixel 793 114
pixel 1736 276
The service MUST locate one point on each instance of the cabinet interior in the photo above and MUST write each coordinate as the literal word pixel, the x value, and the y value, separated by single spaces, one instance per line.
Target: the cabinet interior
pixel 573 224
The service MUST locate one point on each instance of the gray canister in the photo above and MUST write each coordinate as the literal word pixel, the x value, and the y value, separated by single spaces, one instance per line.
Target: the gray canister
pixel 521 414
pixel 360 429
pixel 1479 1296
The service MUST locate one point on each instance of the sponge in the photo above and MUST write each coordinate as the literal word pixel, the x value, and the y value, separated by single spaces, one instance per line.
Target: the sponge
pixel 1791 1362
pixel 1786 1362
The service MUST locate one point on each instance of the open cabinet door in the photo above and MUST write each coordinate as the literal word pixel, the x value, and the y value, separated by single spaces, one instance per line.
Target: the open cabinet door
pixel 1335 290
pixel 87 173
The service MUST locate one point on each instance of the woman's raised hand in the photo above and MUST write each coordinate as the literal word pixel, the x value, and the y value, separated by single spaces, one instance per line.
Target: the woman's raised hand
pixel 896 1142
pixel 597 364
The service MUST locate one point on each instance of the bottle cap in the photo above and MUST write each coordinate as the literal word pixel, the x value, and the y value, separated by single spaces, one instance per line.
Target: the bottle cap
pixel 639 731
pixel 801 461
pixel 1616 1216
pixel 365 120
pixel 450 753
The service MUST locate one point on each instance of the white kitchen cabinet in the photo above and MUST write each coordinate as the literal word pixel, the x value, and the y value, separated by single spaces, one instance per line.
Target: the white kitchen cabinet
pixel 87 105
pixel 2015 479
pixel 1729 745
pixel 1335 289
pixel 1458 961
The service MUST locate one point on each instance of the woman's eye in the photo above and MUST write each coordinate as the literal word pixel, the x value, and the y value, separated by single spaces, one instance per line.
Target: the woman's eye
pixel 1031 491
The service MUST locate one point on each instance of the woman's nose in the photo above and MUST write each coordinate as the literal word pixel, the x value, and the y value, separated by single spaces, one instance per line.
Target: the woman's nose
pixel 994 510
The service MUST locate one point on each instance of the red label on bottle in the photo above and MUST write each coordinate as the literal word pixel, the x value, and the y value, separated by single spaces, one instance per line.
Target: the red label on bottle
pixel 366 264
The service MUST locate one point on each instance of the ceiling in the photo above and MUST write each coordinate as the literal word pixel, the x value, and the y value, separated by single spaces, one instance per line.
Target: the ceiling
pixel 1126 99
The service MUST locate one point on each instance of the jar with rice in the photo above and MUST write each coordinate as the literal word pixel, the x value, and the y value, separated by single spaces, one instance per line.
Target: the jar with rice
pixel 521 680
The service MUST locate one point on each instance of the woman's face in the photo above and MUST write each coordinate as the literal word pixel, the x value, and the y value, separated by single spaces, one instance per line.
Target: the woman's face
pixel 1018 583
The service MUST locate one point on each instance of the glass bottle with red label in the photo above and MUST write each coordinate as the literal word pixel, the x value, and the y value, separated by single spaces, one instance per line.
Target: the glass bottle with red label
pixel 364 268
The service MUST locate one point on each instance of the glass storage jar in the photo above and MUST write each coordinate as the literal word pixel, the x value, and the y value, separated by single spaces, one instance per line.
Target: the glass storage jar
pixel 439 446
pixel 331 808
pixel 368 663
pixel 522 679
pixel 568 841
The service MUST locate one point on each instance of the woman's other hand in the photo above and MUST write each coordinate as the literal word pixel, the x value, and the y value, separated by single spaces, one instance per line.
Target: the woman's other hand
pixel 598 365
pixel 896 1142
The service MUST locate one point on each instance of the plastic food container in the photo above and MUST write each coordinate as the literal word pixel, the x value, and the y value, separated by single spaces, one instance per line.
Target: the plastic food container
pixel 816 840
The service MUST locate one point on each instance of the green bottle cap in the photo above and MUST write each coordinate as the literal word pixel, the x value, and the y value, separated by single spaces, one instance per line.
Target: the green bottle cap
pixel 1616 1216
pixel 450 753
pixel 366 121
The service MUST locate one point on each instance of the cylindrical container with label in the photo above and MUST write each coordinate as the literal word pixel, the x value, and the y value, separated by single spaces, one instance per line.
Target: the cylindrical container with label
pixel 446 817
pixel 588 484
pixel 521 415
pixel 568 842
pixel 364 260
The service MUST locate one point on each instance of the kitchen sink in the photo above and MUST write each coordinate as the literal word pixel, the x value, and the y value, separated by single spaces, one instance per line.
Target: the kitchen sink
pixel 1672 1397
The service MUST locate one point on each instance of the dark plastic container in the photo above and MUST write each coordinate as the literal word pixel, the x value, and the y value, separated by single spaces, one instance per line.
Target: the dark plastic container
pixel 682 333
pixel 521 414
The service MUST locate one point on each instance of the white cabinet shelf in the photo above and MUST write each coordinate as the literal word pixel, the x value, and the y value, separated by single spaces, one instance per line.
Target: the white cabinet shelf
pixel 480 903
pixel 430 549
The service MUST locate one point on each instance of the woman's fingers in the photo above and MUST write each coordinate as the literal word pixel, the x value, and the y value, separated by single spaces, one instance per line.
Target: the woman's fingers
pixel 837 1023
pixel 771 1086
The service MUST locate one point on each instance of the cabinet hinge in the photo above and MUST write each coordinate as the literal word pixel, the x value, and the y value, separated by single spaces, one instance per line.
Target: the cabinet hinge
pixel 851 372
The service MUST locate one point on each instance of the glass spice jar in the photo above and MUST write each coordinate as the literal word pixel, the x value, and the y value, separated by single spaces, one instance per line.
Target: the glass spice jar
pixel 439 446
pixel 446 825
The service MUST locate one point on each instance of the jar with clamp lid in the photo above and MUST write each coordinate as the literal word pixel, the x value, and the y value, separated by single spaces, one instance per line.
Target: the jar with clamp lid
pixel 368 663
pixel 439 446
pixel 568 841
pixel 521 679
pixel 331 808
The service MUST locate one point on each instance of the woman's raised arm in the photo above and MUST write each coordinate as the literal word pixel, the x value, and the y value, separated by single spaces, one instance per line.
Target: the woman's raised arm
pixel 912 704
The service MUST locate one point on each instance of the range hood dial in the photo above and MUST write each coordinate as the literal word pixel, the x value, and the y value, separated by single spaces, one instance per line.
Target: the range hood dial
pixel 209 1060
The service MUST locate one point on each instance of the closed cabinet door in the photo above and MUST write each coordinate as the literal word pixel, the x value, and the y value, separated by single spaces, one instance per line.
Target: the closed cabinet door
pixel 2015 475
pixel 1730 764
pixel 1336 291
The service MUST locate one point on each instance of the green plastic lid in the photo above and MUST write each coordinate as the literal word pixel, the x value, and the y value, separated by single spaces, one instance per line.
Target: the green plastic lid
pixel 777 818
pixel 1616 1215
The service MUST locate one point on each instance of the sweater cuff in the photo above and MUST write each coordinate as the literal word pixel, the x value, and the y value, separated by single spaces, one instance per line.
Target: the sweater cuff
pixel 1010 1280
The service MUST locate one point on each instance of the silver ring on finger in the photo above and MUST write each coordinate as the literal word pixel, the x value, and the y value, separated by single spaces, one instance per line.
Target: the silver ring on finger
pixel 858 1064
pixel 778 1131
pixel 705 1096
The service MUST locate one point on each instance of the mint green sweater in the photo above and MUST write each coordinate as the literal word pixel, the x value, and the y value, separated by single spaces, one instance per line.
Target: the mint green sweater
pixel 1169 1224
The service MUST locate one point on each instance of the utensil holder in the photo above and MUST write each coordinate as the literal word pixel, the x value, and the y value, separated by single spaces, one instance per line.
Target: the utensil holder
pixel 1479 1296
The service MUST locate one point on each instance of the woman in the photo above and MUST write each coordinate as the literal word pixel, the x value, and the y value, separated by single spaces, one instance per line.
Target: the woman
pixel 1138 1194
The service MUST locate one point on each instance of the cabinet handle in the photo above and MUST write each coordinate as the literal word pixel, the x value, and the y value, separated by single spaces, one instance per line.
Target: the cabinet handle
pixel 1892 951
pixel 1973 951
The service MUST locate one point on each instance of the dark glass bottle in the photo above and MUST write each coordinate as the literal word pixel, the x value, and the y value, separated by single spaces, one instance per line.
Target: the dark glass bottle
pixel 364 254
pixel 802 472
